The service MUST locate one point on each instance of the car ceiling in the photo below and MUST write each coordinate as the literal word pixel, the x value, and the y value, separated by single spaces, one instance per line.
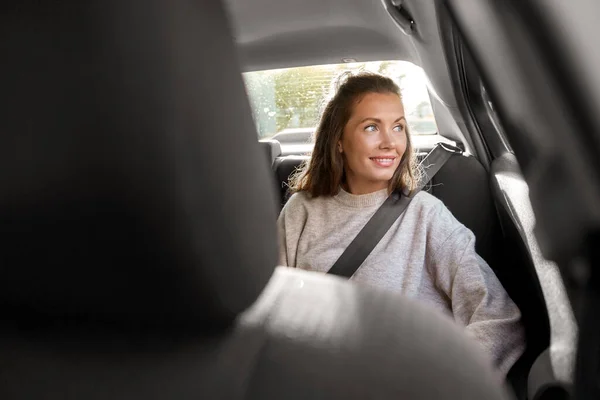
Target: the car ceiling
pixel 285 33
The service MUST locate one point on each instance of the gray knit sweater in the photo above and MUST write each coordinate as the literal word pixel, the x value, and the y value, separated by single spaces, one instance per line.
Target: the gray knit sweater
pixel 427 255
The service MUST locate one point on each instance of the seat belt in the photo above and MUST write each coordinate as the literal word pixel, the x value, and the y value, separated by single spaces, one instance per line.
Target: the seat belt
pixel 387 214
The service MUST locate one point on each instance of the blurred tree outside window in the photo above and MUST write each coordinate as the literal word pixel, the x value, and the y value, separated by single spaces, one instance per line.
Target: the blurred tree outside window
pixel 292 99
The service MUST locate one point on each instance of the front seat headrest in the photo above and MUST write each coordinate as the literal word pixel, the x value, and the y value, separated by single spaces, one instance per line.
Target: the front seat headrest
pixel 133 189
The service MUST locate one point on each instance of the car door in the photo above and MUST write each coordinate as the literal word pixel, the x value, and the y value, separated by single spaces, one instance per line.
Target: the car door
pixel 539 70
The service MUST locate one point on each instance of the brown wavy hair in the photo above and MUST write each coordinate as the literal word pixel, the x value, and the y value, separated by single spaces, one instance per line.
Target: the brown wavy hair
pixel 323 174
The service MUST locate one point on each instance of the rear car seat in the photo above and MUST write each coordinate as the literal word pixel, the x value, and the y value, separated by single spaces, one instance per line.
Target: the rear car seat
pixel 284 168
pixel 464 186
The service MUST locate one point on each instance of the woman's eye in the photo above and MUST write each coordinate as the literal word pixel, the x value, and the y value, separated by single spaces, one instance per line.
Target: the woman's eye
pixel 399 128
pixel 370 128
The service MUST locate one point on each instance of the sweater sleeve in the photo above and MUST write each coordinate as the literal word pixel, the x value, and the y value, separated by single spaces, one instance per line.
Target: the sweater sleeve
pixel 477 298
pixel 283 260
pixel 290 225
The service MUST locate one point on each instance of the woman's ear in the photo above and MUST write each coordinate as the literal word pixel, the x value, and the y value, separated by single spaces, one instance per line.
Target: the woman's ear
pixel 340 147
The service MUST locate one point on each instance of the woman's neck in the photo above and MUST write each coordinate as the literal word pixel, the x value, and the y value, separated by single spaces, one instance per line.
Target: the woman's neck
pixel 357 188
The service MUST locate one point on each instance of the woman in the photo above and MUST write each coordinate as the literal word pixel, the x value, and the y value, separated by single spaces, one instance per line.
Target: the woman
pixel 362 153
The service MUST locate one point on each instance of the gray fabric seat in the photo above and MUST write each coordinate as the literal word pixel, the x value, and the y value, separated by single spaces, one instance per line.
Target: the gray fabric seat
pixel 132 268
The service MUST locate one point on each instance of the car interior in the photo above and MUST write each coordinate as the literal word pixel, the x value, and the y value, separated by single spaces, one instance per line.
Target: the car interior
pixel 484 191
pixel 139 205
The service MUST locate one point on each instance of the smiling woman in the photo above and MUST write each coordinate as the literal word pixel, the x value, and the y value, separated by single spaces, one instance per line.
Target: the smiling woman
pixel 374 143
pixel 288 102
pixel 362 153
pixel 362 143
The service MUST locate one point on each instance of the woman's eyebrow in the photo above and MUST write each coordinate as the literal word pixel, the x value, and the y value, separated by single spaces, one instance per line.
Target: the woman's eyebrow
pixel 379 121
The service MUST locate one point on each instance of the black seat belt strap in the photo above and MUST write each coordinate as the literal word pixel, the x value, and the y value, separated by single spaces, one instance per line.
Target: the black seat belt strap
pixel 387 214
pixel 370 235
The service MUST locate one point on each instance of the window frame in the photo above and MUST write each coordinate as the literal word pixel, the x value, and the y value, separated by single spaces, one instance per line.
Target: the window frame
pixel 480 106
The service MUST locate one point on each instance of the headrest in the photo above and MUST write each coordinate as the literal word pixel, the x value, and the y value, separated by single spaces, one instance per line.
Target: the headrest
pixel 272 149
pixel 133 189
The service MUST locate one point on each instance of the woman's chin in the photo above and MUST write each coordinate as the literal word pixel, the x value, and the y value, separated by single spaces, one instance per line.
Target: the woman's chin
pixel 382 178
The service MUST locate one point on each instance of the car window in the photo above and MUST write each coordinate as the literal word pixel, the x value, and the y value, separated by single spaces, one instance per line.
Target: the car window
pixel 286 103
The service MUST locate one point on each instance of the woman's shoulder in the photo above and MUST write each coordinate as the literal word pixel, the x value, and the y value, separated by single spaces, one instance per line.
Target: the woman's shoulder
pixel 432 209
pixel 428 202
pixel 441 225
pixel 303 202
pixel 300 200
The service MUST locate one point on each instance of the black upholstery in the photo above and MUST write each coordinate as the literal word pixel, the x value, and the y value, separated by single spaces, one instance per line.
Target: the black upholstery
pixel 463 185
pixel 284 167
pixel 105 170
pixel 116 214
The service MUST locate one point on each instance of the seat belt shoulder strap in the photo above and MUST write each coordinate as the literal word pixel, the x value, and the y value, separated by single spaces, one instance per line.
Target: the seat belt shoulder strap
pixel 383 219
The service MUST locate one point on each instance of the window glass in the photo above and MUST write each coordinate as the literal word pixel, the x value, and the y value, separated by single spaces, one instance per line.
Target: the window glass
pixel 288 102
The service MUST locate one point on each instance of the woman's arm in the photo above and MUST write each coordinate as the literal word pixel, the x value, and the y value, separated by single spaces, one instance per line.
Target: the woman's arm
pixel 283 260
pixel 477 298
pixel 480 302
pixel 290 225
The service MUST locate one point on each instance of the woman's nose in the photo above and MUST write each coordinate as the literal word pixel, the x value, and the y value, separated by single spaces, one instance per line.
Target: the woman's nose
pixel 387 139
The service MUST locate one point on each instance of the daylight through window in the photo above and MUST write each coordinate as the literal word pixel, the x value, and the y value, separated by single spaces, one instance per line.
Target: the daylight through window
pixel 289 101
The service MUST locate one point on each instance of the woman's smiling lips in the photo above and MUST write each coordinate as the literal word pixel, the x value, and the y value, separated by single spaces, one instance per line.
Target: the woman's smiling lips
pixel 383 161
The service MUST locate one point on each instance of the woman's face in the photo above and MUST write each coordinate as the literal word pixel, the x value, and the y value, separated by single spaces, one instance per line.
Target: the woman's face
pixel 373 142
